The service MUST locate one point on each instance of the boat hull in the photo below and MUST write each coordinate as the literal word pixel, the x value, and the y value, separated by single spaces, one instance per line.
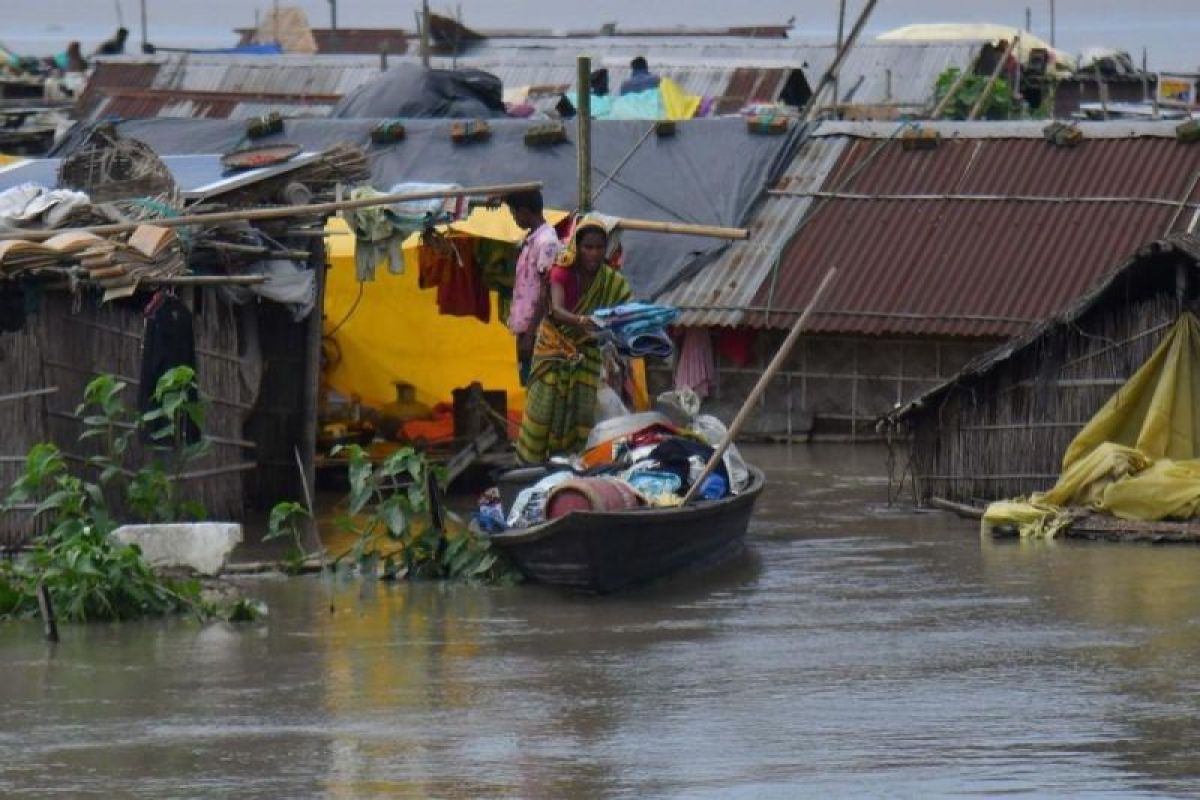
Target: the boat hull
pixel 603 552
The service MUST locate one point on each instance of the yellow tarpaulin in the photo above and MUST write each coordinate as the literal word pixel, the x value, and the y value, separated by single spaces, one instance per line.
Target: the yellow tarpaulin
pixel 395 332
pixel 676 103
pixel 1138 457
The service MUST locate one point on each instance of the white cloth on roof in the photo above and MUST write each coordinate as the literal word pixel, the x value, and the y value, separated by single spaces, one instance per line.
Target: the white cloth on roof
pixel 30 203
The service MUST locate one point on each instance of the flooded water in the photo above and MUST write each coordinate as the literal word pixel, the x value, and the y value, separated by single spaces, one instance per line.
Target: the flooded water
pixel 859 650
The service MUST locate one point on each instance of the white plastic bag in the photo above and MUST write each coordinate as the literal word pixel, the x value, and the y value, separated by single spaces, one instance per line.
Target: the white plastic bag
pixel 712 431
pixel 608 404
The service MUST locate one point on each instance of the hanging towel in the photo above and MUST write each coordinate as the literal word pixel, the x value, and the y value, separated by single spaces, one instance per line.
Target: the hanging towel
pixel 696 369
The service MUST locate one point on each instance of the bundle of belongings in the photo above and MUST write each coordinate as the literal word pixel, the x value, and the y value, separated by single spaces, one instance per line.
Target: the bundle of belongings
pixel 151 251
pixel 1138 458
pixel 647 459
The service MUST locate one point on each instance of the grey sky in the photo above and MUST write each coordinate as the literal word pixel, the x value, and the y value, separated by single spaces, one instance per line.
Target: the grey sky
pixel 1169 28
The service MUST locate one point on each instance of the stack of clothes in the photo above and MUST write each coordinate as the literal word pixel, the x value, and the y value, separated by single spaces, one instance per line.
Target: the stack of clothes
pixel 638 329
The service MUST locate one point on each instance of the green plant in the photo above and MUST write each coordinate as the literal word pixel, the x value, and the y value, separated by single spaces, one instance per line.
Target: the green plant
pixel 286 521
pixel 998 105
pixel 87 574
pixel 390 515
pixel 173 427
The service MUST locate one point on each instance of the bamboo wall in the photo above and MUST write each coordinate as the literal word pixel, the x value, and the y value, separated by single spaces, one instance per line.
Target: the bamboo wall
pixel 1003 434
pixel 63 347
pixel 830 387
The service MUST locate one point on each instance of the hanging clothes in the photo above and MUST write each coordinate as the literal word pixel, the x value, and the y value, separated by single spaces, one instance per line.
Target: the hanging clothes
pixel 737 345
pixel 462 292
pixel 168 342
pixel 696 370
pixel 378 234
pixel 497 270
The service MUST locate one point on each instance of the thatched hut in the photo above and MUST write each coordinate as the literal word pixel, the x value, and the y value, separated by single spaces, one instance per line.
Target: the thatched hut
pixel 252 372
pixel 999 428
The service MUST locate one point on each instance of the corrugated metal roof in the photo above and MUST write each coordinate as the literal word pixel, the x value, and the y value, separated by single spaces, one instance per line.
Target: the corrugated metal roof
pixel 722 289
pixel 986 260
pixel 736 70
pixel 144 103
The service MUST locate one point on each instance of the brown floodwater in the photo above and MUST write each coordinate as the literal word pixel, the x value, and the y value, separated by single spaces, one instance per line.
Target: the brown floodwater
pixel 857 650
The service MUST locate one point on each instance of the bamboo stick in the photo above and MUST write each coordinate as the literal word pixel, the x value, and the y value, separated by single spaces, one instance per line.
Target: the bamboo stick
pixel 987 87
pixel 962 509
pixel 712 231
pixel 814 102
pixel 5 398
pixel 279 212
pixel 954 87
pixel 205 280
pixel 252 249
pixel 1182 203
pixel 759 388
pixel 1021 198
pixel 583 132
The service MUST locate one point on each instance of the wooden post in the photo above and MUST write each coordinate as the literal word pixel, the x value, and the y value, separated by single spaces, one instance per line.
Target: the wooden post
pixel 583 132
pixel 841 29
pixel 425 33
pixel 953 90
pixel 987 87
pixel 312 380
pixel 814 102
pixel 49 622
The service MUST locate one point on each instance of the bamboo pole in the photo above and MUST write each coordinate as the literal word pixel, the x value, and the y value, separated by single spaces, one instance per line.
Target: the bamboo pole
pixel 583 131
pixel 987 87
pixel 759 388
pixel 712 231
pixel 994 198
pixel 279 212
pixel 1182 203
pixel 6 398
pixel 954 87
pixel 814 102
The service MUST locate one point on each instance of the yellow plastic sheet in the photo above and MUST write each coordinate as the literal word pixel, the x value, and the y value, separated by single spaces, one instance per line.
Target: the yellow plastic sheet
pixel 1157 410
pixel 676 103
pixel 1138 458
pixel 395 333
pixel 1165 489
pixel 1031 519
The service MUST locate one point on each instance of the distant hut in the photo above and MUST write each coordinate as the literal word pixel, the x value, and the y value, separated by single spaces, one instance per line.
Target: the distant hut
pixel 999 428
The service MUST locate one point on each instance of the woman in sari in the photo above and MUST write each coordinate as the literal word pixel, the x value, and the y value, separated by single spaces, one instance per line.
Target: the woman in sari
pixel 560 404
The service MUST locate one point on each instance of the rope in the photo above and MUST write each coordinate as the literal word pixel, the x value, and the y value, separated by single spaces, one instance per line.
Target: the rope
pixel 350 313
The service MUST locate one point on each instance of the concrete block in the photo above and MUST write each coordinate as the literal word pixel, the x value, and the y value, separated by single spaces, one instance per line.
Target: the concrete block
pixel 200 546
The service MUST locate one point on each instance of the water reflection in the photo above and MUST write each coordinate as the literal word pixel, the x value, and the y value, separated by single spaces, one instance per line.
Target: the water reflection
pixel 859 649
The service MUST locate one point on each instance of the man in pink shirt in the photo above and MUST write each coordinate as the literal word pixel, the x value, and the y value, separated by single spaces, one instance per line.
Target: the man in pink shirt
pixel 534 261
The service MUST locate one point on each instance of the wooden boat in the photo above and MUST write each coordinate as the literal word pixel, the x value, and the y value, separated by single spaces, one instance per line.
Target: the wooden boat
pixel 603 552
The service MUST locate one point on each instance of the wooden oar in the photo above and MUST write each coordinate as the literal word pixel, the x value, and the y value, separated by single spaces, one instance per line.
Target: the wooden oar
pixel 759 388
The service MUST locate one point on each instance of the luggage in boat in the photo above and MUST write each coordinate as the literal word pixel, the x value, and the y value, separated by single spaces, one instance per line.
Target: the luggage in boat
pixel 601 493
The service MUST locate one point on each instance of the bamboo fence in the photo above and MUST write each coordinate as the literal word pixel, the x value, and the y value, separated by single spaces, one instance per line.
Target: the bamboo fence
pixel 1000 429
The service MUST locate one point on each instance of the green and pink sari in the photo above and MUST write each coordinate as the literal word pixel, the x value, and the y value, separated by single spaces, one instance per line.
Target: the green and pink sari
pixel 560 405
